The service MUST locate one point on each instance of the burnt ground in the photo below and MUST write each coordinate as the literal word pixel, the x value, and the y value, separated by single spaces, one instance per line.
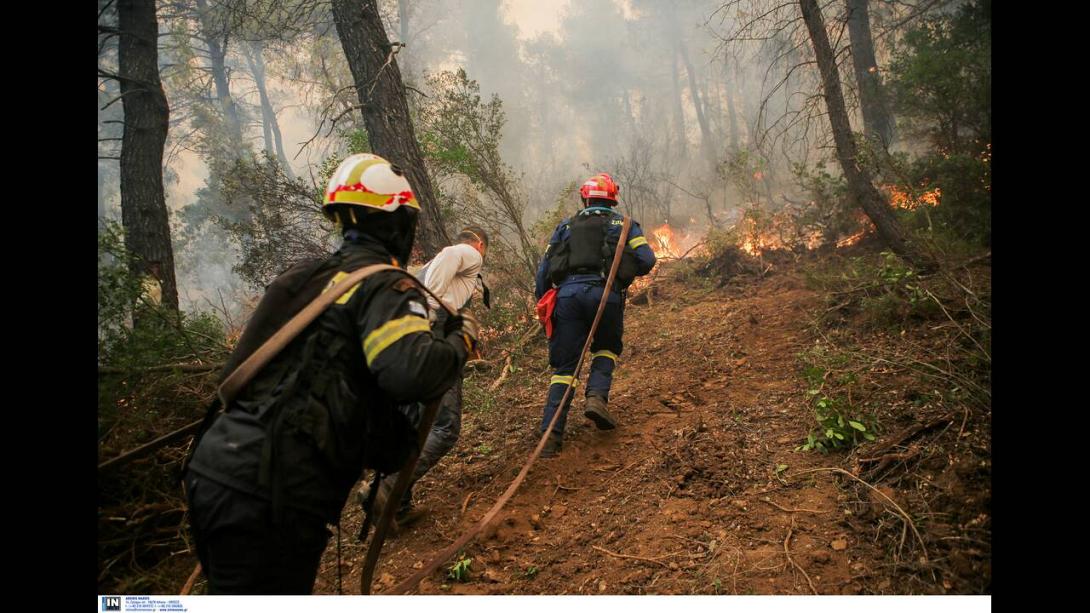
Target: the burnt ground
pixel 701 490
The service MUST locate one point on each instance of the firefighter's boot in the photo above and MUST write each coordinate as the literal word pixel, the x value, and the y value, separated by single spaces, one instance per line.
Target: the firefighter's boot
pixel 596 412
pixel 553 444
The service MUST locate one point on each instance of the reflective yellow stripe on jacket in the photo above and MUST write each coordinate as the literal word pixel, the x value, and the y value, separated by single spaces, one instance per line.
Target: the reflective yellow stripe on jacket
pixel 636 242
pixel 388 333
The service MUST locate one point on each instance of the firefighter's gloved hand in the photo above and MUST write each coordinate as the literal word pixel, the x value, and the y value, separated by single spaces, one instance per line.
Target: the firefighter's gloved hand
pixel 471 327
pixel 463 327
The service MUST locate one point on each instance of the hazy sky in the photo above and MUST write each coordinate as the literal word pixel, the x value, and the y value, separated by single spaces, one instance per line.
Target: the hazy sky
pixel 533 17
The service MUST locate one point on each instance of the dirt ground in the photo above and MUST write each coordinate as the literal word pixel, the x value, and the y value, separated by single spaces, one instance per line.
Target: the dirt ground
pixel 699 490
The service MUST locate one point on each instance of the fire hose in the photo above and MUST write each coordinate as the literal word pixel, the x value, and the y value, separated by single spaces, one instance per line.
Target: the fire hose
pixel 445 554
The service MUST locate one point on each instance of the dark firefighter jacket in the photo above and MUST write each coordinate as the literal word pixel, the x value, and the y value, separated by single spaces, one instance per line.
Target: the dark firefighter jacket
pixel 637 244
pixel 302 431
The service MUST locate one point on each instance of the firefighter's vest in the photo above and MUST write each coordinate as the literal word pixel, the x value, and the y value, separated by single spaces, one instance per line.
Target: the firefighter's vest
pixel 589 247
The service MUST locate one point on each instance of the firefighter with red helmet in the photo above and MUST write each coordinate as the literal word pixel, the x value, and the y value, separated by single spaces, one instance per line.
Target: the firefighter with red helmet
pixel 576 262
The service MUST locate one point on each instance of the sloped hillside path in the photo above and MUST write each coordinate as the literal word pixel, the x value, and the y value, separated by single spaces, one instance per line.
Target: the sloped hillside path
pixel 697 491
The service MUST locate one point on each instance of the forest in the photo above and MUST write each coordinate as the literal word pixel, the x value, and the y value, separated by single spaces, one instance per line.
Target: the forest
pixel 804 395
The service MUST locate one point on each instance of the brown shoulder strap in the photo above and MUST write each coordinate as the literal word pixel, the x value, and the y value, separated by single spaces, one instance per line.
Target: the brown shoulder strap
pixel 259 358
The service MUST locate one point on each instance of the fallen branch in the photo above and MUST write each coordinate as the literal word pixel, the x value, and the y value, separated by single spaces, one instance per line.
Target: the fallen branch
pixel 503 375
pixel 906 434
pixel 958 326
pixel 465 504
pixel 787 552
pixel 474 364
pixel 146 448
pixel 184 367
pixel 561 486
pixel 887 459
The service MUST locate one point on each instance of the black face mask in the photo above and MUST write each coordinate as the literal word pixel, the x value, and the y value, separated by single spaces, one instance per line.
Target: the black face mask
pixel 395 231
pixel 400 241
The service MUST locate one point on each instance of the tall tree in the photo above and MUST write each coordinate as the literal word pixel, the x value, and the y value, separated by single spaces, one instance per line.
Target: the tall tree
pixel 274 143
pixel 385 112
pixel 215 34
pixel 679 113
pixel 707 144
pixel 860 183
pixel 143 204
pixel 878 122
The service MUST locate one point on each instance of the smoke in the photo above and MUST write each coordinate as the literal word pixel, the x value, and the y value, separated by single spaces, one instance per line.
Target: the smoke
pixel 694 128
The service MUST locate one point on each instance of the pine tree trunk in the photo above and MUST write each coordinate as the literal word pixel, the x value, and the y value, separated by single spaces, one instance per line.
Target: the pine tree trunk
pixel 143 204
pixel 859 180
pixel 706 141
pixel 385 111
pixel 732 114
pixel 274 143
pixel 679 113
pixel 218 52
pixel 878 122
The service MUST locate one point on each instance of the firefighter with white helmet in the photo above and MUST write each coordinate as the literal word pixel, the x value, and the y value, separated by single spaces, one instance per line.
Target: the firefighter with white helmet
pixel 278 464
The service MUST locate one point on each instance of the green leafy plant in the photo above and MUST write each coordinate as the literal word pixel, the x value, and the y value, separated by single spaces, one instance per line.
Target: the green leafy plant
pixel 483 449
pixel 531 572
pixel 459 571
pixel 837 424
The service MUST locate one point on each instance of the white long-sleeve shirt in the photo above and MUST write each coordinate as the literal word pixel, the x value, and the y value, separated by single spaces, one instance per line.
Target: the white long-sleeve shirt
pixel 452 275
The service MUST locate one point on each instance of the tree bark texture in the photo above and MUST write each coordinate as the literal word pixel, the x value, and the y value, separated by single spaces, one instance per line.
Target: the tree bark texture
pixel 143 204
pixel 385 110
pixel 859 180
pixel 878 124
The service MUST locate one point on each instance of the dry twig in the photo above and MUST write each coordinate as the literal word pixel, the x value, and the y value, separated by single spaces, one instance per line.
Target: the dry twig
pixel 787 552
pixel 621 555
pixel 191 581
pixel 904 516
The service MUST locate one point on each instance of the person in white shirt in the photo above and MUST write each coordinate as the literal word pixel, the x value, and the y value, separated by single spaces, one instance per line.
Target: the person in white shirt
pixel 454 274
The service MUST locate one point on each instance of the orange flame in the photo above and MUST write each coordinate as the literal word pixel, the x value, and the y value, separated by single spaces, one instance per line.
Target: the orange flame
pixel 666 242
pixel 901 199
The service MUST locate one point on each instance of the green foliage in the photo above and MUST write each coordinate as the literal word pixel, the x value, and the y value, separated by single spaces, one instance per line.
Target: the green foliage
pixel 483 449
pixel 460 137
pixel 162 335
pixel 745 170
pixel 839 424
pixel 829 210
pixel 118 289
pixel 459 571
pixel 531 572
pixel 285 223
pixel 881 288
pixel 965 210
pixel 357 141
pixel 562 207
pixel 461 134
pixel 940 79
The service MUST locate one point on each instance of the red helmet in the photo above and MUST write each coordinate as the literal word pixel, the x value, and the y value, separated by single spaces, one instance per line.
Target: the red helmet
pixel 600 185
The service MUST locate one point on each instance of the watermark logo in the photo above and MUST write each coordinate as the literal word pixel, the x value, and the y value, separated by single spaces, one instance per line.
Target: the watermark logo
pixel 111 603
